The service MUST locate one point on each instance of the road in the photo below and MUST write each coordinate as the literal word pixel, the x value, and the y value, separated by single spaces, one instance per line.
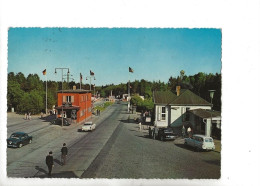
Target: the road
pixel 116 149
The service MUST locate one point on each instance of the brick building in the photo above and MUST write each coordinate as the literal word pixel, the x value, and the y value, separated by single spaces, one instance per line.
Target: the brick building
pixel 75 104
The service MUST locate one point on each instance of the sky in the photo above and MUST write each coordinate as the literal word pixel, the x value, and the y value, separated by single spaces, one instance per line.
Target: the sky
pixel 153 53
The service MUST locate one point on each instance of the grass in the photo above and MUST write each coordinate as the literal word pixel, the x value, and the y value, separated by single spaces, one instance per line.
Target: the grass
pixel 103 107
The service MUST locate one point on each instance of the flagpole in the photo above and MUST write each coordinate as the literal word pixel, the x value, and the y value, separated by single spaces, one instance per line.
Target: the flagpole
pixel 46 94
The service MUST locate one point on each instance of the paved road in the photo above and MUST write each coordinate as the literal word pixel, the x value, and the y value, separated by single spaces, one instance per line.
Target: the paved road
pixel 116 149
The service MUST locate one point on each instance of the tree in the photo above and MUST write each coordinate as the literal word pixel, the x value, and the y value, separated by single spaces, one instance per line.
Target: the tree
pixel 14 94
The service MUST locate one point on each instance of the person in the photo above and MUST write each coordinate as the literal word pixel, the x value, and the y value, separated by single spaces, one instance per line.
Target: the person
pixel 30 116
pixel 64 152
pixel 25 116
pixel 183 131
pixel 49 162
pixel 140 126
pixel 189 132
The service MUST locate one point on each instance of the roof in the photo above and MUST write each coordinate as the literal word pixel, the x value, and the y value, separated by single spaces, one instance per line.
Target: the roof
pixel 163 97
pixel 202 113
pixel 189 98
pixel 68 108
pixel 186 97
pixel 74 91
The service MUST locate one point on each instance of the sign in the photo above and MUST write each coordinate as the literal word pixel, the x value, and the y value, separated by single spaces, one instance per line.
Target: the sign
pixel 147 119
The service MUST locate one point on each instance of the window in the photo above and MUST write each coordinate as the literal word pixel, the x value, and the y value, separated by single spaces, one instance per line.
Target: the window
pixel 163 113
pixel 68 99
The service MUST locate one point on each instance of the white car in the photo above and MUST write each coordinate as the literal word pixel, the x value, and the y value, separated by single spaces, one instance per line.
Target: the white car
pixel 200 142
pixel 88 126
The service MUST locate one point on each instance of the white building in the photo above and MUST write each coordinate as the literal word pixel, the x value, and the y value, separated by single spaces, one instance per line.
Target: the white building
pixel 172 109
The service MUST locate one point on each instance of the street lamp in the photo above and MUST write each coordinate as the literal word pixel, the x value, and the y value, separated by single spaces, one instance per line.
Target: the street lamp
pixel 62 89
pixel 211 94
pixel 90 80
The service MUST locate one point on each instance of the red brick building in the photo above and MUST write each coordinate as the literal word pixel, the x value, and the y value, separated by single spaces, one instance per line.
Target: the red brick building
pixel 75 104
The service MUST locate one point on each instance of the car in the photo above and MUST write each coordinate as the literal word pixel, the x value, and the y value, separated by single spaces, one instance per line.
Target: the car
pixel 58 121
pixel 88 126
pixel 166 134
pixel 18 139
pixel 200 142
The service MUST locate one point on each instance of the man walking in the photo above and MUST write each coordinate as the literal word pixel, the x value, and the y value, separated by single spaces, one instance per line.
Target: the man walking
pixel 49 162
pixel 64 152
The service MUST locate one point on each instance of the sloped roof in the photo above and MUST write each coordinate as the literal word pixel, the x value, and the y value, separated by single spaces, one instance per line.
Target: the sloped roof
pixel 202 113
pixel 163 97
pixel 189 98
pixel 186 97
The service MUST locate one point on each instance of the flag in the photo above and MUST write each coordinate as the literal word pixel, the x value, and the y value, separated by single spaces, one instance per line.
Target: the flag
pixel 92 73
pixel 44 72
pixel 131 70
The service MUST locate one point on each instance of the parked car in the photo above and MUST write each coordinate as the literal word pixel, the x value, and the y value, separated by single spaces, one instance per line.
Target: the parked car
pixel 166 134
pixel 18 139
pixel 200 142
pixel 88 126
pixel 58 121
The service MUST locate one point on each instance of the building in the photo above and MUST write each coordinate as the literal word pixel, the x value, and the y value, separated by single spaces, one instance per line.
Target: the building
pixel 75 104
pixel 174 110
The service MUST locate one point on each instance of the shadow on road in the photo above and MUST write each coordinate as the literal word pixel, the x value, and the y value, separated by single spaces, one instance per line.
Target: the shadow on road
pixel 48 118
pixel 185 147
pixel 129 121
pixel 144 136
pixel 57 161
pixel 63 174
pixel 41 170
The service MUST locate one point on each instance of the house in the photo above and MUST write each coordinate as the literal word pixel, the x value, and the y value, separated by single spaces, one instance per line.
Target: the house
pixel 75 104
pixel 174 110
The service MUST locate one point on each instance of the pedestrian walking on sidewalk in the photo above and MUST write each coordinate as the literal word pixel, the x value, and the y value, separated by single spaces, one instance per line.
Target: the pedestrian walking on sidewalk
pixel 183 131
pixel 49 162
pixel 64 152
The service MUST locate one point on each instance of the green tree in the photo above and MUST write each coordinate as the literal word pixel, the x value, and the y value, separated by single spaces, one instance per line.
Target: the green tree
pixel 14 94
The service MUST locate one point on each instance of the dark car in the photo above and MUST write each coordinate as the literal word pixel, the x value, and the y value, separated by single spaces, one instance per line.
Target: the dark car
pixel 18 139
pixel 166 134
pixel 58 121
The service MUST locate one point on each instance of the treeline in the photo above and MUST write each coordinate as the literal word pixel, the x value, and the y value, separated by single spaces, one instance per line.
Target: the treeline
pixel 199 83
pixel 28 93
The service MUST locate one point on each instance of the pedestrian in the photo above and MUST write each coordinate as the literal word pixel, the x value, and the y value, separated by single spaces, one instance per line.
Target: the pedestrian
pixel 183 131
pixel 49 162
pixel 140 126
pixel 64 152
pixel 30 116
pixel 25 116
pixel 41 114
pixel 189 132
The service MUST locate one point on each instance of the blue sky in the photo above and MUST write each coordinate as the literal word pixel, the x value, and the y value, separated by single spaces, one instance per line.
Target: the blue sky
pixel 153 53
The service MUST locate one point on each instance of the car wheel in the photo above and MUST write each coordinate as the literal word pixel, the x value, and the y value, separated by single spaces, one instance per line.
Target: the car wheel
pixel 30 141
pixel 185 143
pixel 20 145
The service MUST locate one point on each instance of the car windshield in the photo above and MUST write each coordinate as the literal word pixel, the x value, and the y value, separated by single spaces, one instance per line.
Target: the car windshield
pixel 168 130
pixel 16 136
pixel 88 124
pixel 208 140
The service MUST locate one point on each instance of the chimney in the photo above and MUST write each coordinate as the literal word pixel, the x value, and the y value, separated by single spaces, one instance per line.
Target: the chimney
pixel 178 89
pixel 74 87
